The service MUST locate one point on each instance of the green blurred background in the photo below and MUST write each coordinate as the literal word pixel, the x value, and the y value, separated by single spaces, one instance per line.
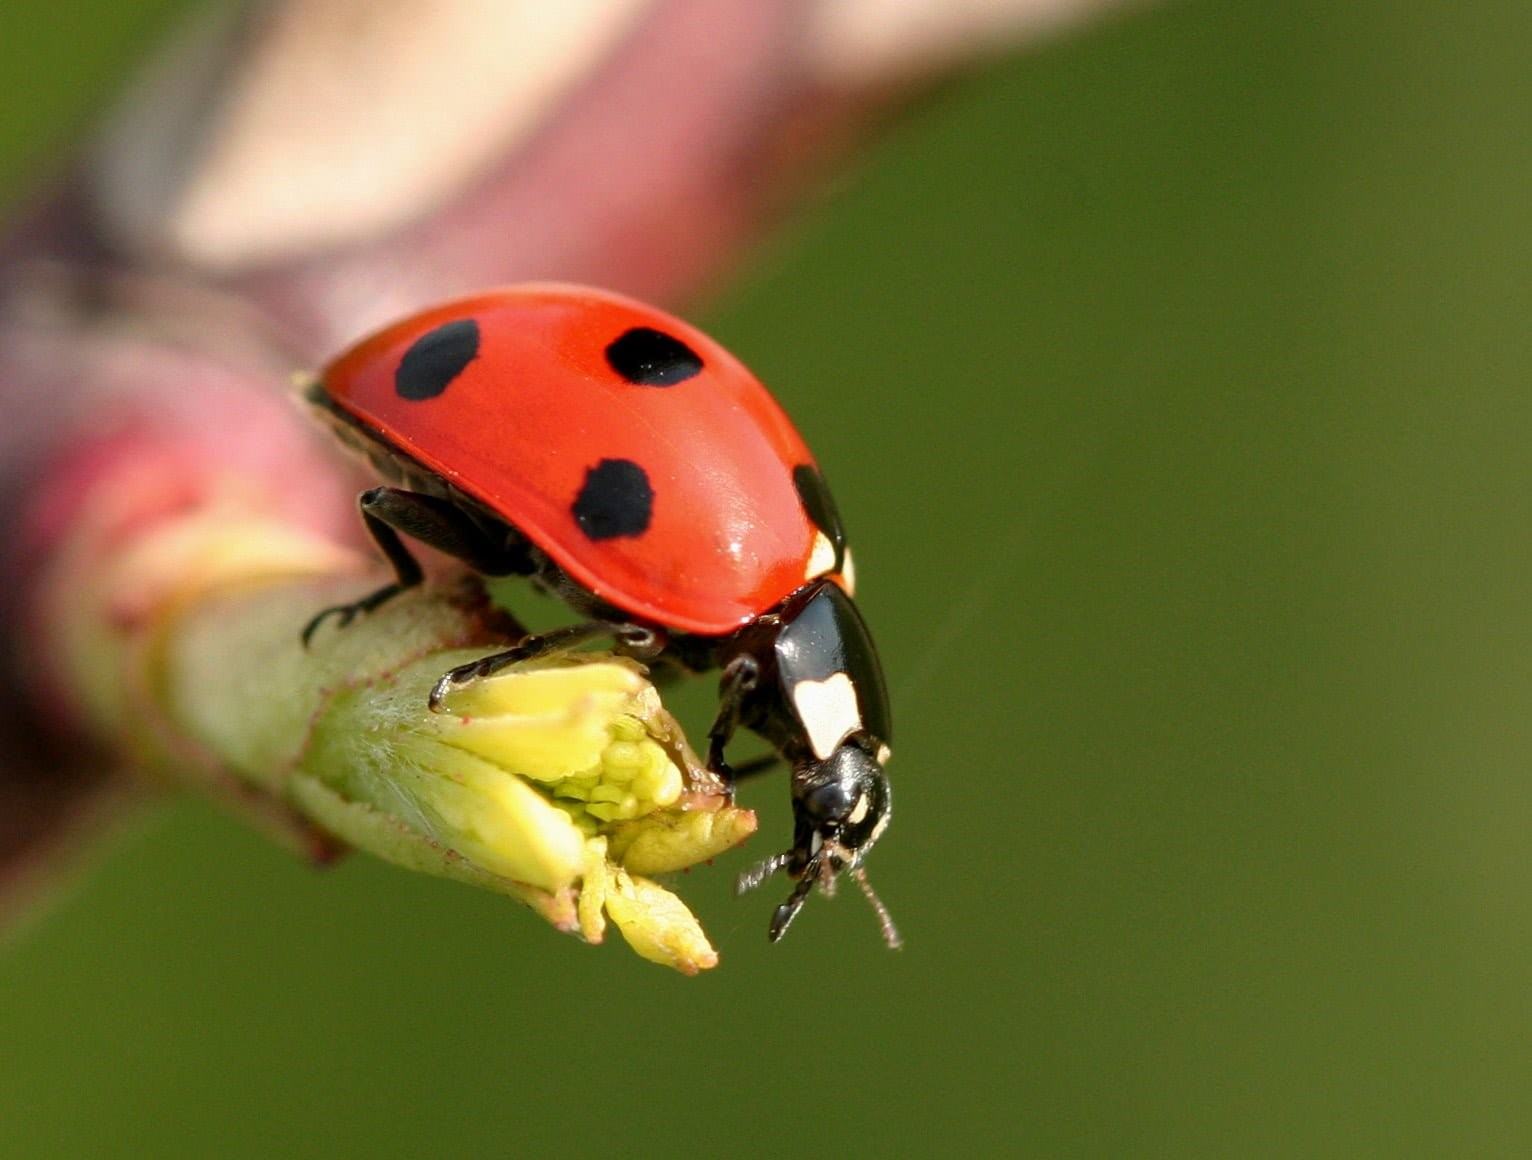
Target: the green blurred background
pixel 1173 379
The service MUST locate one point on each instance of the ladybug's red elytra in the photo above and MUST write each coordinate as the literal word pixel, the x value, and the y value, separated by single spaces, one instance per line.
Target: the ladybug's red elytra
pixel 623 460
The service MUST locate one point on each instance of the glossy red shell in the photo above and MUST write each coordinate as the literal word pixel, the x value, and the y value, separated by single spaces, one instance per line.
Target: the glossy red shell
pixel 539 406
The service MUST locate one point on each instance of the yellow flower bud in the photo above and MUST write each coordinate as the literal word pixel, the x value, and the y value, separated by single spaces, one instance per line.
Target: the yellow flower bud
pixel 556 777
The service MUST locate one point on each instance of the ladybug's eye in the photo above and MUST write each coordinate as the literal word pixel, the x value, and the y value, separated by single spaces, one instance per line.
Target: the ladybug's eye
pixel 831 803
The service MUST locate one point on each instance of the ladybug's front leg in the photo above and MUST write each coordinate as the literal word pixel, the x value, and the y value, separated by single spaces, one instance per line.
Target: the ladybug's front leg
pixel 387 511
pixel 740 677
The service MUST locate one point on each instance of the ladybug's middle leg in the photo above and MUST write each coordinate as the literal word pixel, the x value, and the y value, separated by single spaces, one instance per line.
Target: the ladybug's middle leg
pixel 632 639
pixel 388 511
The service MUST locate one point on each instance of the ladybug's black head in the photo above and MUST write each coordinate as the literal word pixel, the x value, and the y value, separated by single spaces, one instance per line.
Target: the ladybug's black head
pixel 841 806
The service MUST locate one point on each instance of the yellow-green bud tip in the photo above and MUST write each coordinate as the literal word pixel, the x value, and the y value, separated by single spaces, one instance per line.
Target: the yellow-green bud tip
pixel 557 777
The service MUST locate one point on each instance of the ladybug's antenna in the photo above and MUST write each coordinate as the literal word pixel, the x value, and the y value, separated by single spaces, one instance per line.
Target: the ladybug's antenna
pixel 891 934
pixel 788 911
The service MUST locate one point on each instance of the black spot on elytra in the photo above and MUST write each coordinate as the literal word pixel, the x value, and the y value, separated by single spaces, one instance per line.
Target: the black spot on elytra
pixel 615 500
pixel 651 358
pixel 435 359
pixel 820 506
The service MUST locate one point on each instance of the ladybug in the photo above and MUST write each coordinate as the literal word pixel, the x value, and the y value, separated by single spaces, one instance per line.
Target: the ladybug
pixel 625 462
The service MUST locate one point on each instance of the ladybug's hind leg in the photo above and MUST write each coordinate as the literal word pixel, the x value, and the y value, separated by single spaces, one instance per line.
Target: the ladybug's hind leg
pixel 388 511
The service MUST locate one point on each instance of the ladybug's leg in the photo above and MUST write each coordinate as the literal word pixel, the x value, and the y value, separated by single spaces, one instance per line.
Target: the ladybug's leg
pixel 739 678
pixel 439 523
pixel 387 511
pixel 634 639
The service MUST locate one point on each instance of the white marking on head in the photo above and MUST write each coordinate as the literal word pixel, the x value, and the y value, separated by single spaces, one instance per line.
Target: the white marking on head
pixel 828 711
pixel 877 830
pixel 884 753
pixel 859 811
pixel 822 558
pixel 848 573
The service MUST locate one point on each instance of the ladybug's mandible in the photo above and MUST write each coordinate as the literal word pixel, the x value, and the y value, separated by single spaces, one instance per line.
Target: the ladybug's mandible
pixel 628 463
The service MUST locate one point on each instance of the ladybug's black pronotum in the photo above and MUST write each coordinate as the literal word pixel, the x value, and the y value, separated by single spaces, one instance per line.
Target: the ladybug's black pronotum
pixel 628 463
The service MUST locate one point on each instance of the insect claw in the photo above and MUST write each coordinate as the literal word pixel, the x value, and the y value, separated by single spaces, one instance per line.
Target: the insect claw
pixel 436 702
pixel 641 642
pixel 343 614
